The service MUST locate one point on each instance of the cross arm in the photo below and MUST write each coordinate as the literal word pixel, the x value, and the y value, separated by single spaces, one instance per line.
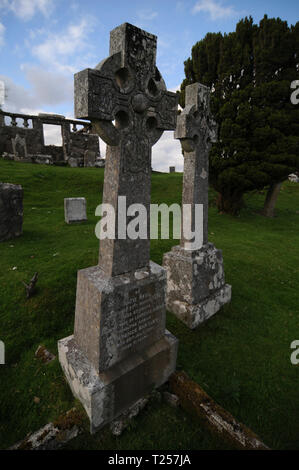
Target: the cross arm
pixel 94 95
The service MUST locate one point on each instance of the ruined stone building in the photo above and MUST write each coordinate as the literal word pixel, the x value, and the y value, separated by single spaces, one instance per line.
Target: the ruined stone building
pixel 22 139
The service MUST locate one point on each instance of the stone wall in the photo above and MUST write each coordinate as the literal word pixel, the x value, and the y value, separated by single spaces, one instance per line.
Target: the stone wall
pixel 22 139
pixel 18 125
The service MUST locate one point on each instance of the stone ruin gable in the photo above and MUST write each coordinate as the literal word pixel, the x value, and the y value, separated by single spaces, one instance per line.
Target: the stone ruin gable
pixel 8 132
pixel 28 130
pixel 79 142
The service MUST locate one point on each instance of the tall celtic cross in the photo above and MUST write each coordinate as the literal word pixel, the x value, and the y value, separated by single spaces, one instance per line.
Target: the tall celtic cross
pixel 196 131
pixel 127 102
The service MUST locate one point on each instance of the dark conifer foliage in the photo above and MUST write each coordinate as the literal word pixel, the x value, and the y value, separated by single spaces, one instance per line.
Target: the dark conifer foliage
pixel 250 72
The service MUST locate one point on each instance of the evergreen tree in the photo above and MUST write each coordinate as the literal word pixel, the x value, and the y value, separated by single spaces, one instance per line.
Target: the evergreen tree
pixel 250 72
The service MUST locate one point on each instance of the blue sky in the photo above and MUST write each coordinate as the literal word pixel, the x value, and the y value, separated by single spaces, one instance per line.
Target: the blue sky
pixel 44 42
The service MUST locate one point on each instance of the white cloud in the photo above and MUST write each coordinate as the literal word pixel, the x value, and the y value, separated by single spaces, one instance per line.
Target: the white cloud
pixel 47 89
pixel 57 48
pixel 26 9
pixel 215 9
pixel 167 152
pixel 2 32
pixel 147 15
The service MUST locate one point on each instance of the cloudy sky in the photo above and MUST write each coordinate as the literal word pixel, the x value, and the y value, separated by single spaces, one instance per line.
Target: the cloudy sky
pixel 44 42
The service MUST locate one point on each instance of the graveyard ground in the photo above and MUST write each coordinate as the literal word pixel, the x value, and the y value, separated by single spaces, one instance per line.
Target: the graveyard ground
pixel 241 357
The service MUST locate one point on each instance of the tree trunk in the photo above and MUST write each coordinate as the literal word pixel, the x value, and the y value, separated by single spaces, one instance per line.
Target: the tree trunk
pixel 271 199
pixel 230 204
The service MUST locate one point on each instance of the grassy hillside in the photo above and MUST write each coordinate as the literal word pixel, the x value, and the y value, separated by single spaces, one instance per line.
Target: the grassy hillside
pixel 241 356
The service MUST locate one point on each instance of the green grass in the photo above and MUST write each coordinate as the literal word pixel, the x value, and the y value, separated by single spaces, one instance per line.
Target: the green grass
pixel 241 357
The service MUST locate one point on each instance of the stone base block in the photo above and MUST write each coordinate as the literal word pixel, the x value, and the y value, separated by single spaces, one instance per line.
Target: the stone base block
pixel 106 395
pixel 194 315
pixel 196 287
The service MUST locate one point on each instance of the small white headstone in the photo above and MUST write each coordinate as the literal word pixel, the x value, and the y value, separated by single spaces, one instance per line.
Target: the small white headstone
pixel 75 209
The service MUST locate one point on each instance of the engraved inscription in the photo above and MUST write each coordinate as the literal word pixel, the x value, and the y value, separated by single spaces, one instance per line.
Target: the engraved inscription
pixel 138 320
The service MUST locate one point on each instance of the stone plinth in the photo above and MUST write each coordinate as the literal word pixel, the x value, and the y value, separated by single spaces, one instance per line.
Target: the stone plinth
pixel 106 395
pixel 11 211
pixel 196 287
pixel 120 349
pixel 75 210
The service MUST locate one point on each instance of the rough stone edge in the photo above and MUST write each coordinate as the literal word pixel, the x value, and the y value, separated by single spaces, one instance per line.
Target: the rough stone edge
pixel 195 315
pixel 118 425
pixel 52 436
pixel 87 386
pixel 196 401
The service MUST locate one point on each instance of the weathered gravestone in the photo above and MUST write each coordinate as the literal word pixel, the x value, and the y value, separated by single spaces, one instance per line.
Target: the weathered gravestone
pixel 89 158
pixel 19 148
pixel 120 349
pixel 75 210
pixel 196 286
pixel 172 169
pixel 74 162
pixel 11 211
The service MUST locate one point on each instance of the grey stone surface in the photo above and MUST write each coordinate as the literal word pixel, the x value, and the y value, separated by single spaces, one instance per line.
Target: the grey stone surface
pixel 195 274
pixel 120 315
pixel 19 147
pixel 108 394
pixel 43 159
pixel 126 88
pixel 74 162
pixel 120 350
pixel 22 137
pixel 123 421
pixel 75 209
pixel 11 211
pixel 196 130
pixel 172 169
pixel 196 287
pixel 49 437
